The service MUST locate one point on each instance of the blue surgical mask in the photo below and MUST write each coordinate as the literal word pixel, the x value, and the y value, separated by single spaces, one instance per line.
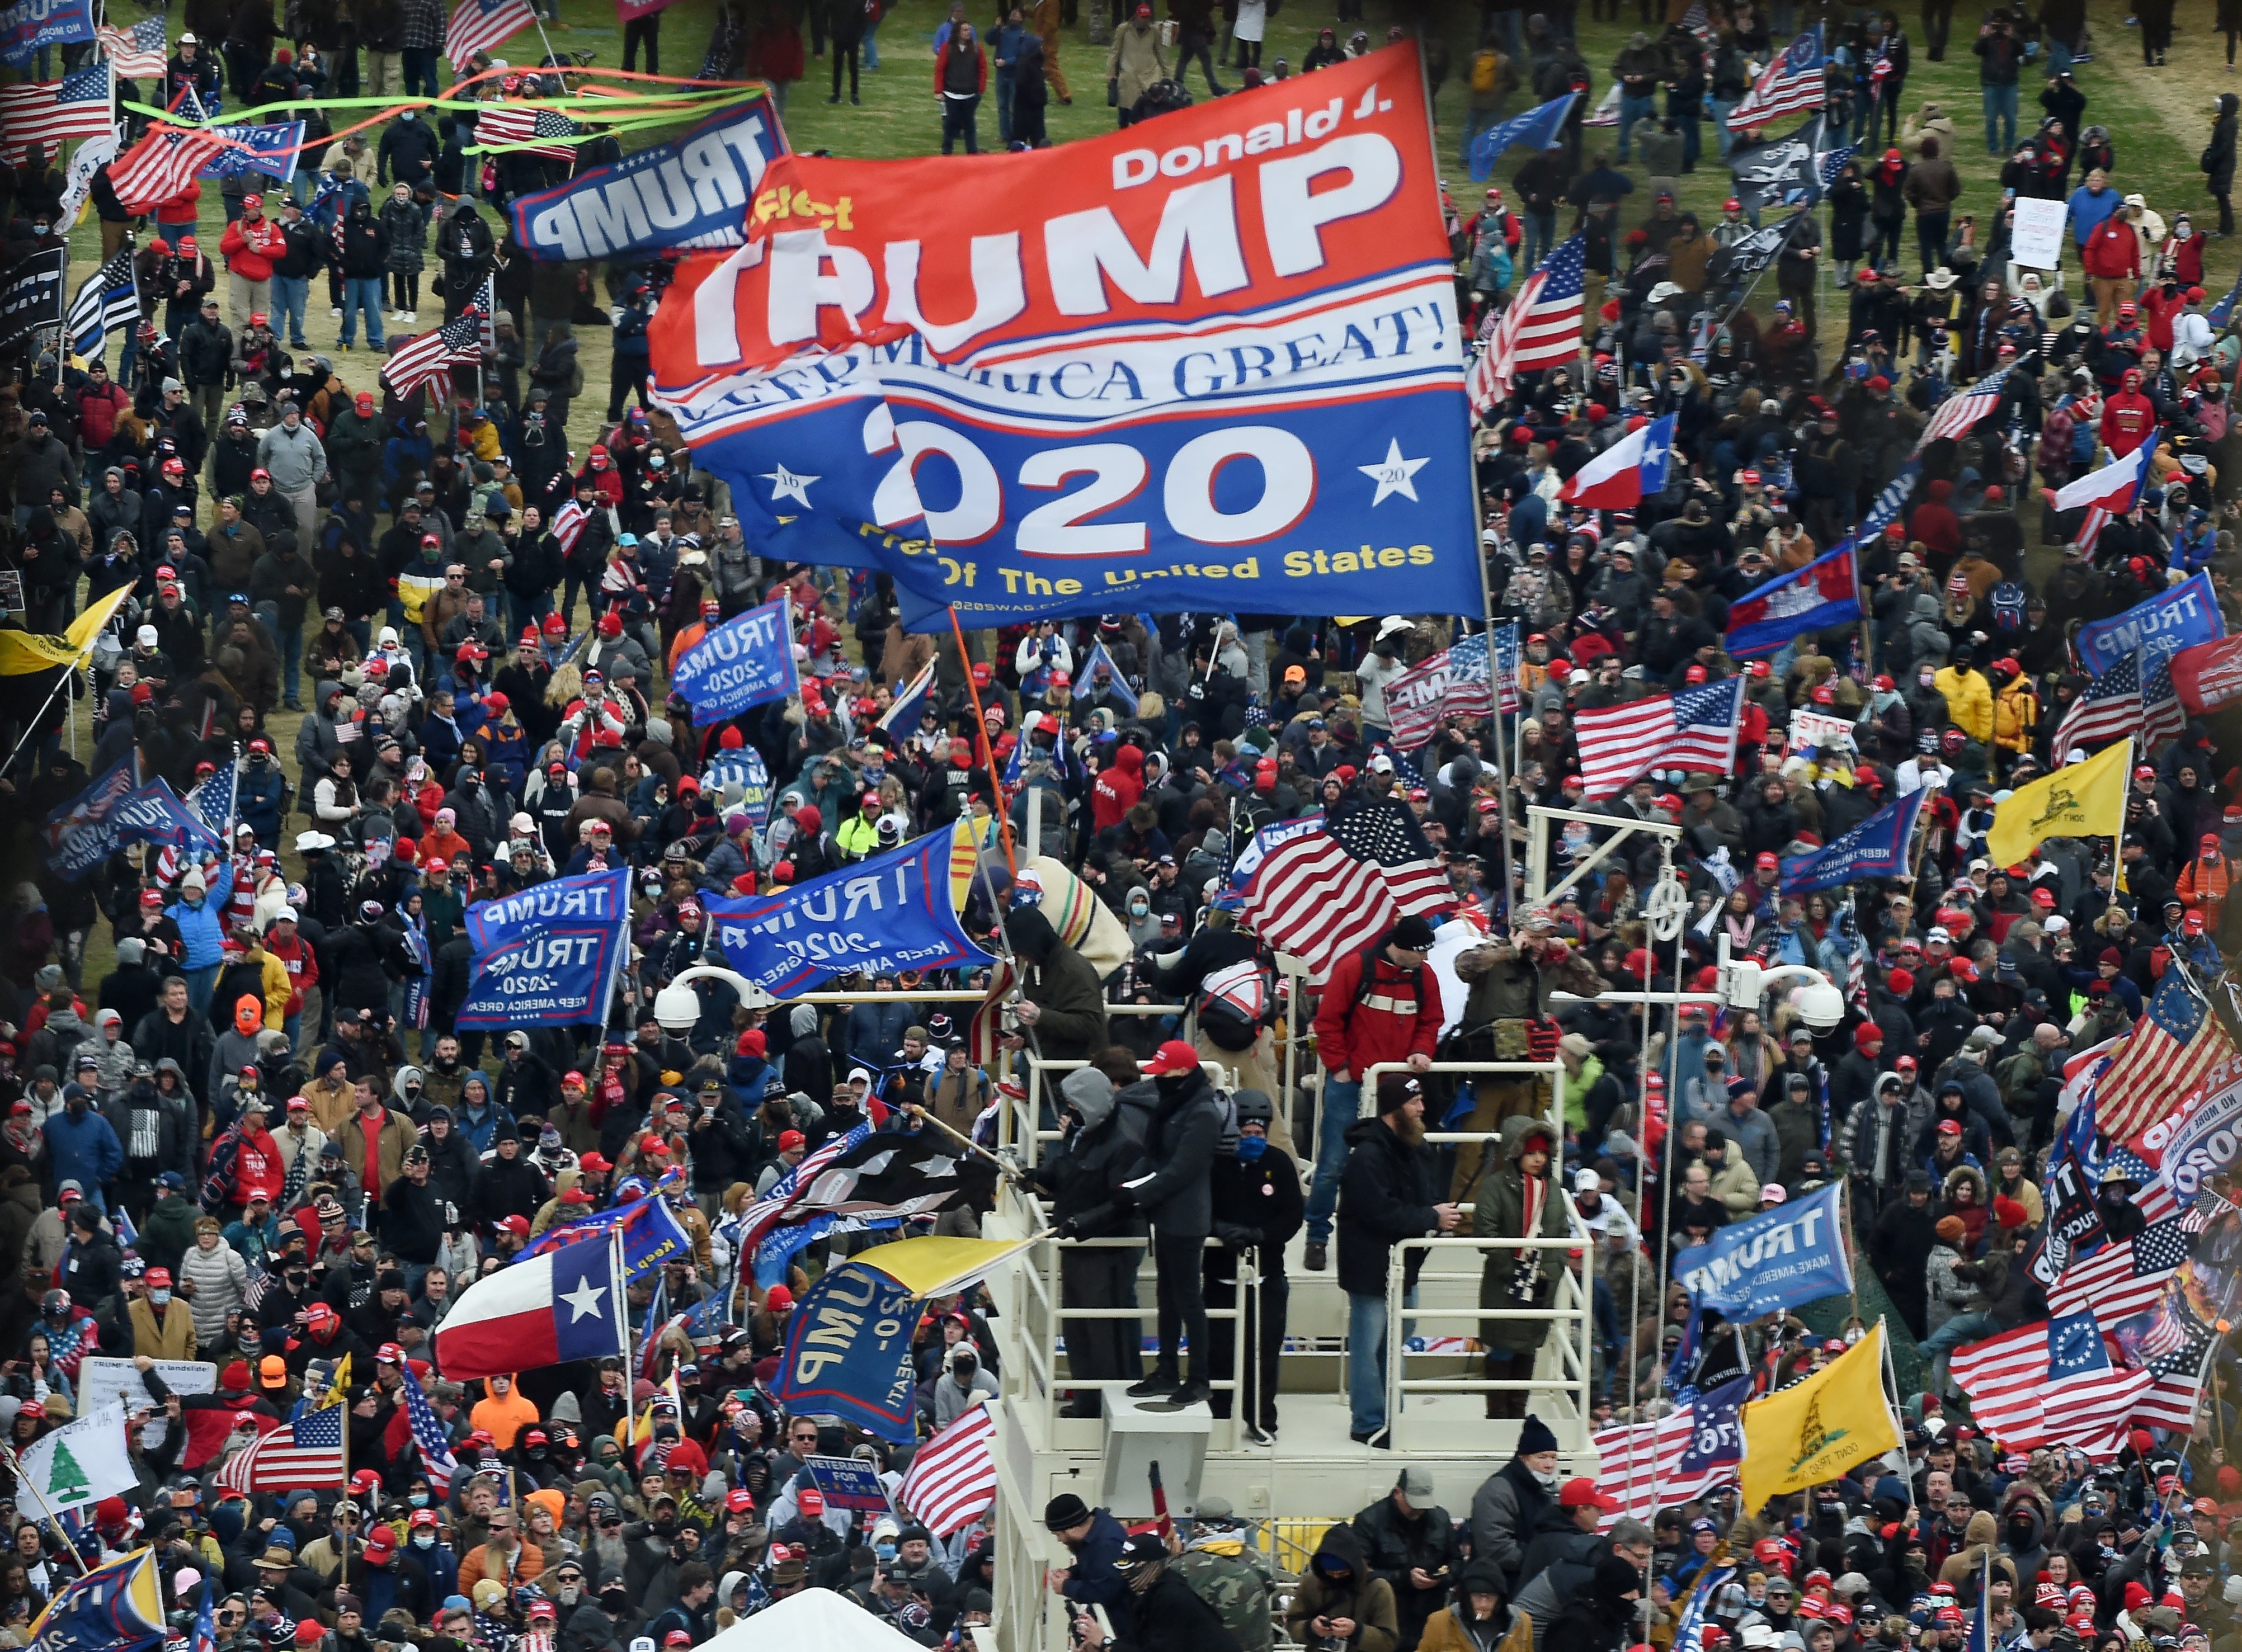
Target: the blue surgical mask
pixel 423 1538
pixel 160 1298
pixel 419 1500
pixel 886 1552
pixel 1251 1147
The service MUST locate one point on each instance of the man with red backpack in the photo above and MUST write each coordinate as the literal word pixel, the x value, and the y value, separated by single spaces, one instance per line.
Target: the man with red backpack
pixel 1380 1005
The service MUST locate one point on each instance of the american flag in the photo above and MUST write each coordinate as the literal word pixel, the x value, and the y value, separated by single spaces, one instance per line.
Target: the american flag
pixel 1790 84
pixel 2088 1400
pixel 2002 1376
pixel 2108 710
pixel 108 299
pixel 517 128
pixel 2122 1279
pixel 2173 1047
pixel 45 112
pixel 1957 414
pixel 1336 888
pixel 1542 326
pixel 485 304
pixel 134 53
pixel 1646 1466
pixel 478 26
pixel 161 165
pixel 428 1432
pixel 569 524
pixel 429 359
pixel 2162 715
pixel 1506 665
pixel 952 1482
pixel 307 1451
pixel 2175 1384
pixel 1693 729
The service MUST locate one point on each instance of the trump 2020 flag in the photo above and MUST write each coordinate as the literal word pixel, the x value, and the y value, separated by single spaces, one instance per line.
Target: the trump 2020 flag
pixel 1543 128
pixel 549 955
pixel 548 1310
pixel 2164 623
pixel 1875 848
pixel 742 663
pixel 652 1235
pixel 1211 368
pixel 1792 1254
pixel 848 1352
pixel 118 1607
pixel 893 911
pixel 1823 593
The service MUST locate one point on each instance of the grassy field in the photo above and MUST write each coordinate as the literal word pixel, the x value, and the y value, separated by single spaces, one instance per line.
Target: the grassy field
pixel 2159 118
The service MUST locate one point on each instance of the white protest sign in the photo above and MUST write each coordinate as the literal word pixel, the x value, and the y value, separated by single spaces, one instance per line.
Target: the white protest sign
pixel 1818 729
pixel 102 1382
pixel 2037 241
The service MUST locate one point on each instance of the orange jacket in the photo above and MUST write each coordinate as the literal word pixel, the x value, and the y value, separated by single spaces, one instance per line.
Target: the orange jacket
pixel 2202 887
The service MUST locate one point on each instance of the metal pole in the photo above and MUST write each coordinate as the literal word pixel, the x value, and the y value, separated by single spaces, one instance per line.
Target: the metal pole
pixel 46 1509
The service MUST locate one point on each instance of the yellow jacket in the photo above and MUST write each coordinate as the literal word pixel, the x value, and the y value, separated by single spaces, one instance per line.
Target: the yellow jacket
pixel 2016 713
pixel 1969 701
pixel 173 1340
pixel 278 988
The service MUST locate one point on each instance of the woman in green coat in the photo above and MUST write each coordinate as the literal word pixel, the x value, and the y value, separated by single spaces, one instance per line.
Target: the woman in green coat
pixel 1518 1197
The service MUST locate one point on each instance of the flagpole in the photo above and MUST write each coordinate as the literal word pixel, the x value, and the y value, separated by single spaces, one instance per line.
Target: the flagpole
pixel 988 751
pixel 46 1509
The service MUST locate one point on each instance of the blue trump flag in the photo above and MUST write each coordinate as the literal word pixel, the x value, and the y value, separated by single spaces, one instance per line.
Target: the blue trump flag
pixel 2164 624
pixel 79 833
pixel 893 911
pixel 30 25
pixel 848 1352
pixel 270 149
pixel 550 955
pixel 652 1234
pixel 2223 310
pixel 1122 694
pixel 743 663
pixel 1875 848
pixel 1823 593
pixel 115 1607
pixel 1777 1259
pixel 1543 128
pixel 633 207
pixel 900 719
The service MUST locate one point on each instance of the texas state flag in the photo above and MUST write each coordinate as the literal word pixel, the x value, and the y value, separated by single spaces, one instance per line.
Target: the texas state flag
pixel 1617 478
pixel 546 1310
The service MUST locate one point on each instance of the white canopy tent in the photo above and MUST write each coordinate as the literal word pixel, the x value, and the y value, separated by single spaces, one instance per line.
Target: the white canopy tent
pixel 815 1617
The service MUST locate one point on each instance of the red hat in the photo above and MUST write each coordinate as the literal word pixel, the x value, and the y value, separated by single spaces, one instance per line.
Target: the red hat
pixel 1902 982
pixel 380 1544
pixel 811 1502
pixel 778 1299
pixel 157 1279
pixel 1867 1036
pixel 517 1225
pixel 791 1140
pixel 1767 860
pixel 1172 1057
pixel 739 1501
pixel 1582 1494
pixel 1950 1126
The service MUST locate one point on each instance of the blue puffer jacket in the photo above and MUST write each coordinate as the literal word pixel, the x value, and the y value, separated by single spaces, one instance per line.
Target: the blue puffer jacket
pixel 82 1147
pixel 202 927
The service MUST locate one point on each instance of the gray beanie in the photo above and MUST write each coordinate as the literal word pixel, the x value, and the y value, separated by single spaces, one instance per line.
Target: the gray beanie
pixel 131 950
pixel 1089 1093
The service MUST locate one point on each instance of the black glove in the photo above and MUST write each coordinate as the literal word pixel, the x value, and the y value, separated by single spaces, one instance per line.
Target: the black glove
pixel 1238 1234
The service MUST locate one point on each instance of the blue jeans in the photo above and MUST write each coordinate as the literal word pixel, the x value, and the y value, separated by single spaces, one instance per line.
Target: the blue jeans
pixel 1540 239
pixel 290 294
pixel 1005 89
pixel 2059 56
pixel 2000 119
pixel 1632 110
pixel 1720 113
pixel 1962 1327
pixel 201 983
pixel 1692 139
pixel 1475 122
pixel 419 65
pixel 1366 1362
pixel 871 45
pixel 362 292
pixel 1341 1104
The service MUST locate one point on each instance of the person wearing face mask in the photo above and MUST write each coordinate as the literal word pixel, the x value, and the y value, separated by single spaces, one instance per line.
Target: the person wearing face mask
pixel 961 1384
pixel 1100 1148
pixel 1257 1207
pixel 1517 1500
pixel 1180 1145
pixel 425 1546
pixel 162 1328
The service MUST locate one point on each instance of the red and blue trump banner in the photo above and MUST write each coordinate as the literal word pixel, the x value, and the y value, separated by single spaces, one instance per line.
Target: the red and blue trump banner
pixel 550 955
pixel 1211 363
pixel 1825 592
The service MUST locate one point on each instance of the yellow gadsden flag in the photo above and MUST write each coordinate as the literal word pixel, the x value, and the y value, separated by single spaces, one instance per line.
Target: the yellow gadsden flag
pixel 1821 1427
pixel 2085 800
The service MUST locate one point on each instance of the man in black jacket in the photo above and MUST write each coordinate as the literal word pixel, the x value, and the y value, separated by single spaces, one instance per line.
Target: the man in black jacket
pixel 1411 1542
pixel 1186 1129
pixel 1169 1616
pixel 1258 1207
pixel 414 1216
pixel 206 358
pixel 1103 1143
pixel 1384 1196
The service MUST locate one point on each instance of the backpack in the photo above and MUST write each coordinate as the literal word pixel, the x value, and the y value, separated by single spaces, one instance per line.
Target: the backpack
pixel 1234 1004
pixel 2008 606
pixel 576 377
pixel 1486 69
